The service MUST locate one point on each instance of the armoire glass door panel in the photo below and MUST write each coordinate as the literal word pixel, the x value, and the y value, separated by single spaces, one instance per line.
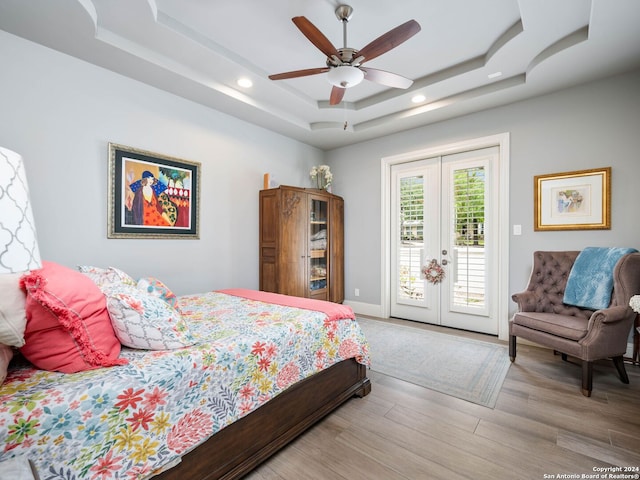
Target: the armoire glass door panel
pixel 318 247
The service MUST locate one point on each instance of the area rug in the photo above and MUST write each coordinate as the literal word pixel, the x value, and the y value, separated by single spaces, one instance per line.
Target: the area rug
pixel 465 368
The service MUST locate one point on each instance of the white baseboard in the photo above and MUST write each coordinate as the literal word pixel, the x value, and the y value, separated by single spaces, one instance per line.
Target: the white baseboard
pixel 365 308
pixel 629 350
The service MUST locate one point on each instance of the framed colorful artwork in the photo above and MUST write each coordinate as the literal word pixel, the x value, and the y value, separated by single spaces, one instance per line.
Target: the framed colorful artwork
pixel 579 200
pixel 152 195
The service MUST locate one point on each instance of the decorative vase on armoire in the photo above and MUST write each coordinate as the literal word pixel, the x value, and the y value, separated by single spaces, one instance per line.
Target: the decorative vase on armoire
pixel 302 243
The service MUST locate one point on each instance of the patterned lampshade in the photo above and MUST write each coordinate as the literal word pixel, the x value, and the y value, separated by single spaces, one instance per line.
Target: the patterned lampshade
pixel 18 242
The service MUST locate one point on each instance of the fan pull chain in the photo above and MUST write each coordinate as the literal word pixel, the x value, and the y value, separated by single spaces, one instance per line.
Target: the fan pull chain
pixel 346 124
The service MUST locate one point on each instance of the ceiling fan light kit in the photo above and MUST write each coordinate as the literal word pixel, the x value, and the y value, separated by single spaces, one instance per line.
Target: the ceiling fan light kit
pixel 345 76
pixel 344 65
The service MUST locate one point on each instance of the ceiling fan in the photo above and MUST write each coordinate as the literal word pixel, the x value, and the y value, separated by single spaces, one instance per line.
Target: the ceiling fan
pixel 344 65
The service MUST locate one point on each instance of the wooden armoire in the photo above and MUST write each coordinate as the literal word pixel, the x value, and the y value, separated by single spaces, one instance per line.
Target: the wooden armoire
pixel 302 243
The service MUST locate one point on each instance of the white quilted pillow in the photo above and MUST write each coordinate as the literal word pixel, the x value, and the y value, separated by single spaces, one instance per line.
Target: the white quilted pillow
pixel 144 321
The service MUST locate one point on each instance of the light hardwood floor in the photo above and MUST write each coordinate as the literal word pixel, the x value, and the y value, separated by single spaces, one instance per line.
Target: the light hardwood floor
pixel 542 427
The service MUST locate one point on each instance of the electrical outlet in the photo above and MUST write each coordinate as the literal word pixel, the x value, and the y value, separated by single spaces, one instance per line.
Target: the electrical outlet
pixel 357 292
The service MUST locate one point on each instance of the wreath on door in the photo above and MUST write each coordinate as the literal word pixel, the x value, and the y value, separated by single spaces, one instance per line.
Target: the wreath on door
pixel 433 272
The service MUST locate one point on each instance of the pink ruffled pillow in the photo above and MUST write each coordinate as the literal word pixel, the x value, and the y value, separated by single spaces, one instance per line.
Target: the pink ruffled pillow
pixel 68 325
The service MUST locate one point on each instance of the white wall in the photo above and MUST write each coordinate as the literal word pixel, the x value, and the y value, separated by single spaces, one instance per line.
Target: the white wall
pixel 589 126
pixel 60 114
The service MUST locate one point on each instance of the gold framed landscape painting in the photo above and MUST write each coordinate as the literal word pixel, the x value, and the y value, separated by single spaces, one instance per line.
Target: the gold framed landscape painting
pixel 152 195
pixel 579 200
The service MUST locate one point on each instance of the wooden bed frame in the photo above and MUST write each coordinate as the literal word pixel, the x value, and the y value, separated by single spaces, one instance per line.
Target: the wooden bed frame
pixel 240 447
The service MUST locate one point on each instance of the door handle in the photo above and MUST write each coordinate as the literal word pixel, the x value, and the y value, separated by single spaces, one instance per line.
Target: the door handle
pixel 444 261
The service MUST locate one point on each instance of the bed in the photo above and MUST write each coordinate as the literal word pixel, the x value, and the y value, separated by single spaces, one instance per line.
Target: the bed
pixel 261 370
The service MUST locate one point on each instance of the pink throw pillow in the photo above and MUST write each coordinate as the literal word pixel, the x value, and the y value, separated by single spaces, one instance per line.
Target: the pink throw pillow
pixel 68 325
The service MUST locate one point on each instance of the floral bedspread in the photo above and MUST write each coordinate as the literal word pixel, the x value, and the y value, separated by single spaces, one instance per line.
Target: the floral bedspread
pixel 127 422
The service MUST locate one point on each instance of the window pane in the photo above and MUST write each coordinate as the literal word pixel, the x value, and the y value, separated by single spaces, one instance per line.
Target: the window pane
pixel 469 222
pixel 411 218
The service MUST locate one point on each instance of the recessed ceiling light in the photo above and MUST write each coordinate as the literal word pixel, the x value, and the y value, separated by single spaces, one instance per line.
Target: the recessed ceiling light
pixel 495 75
pixel 245 82
pixel 418 98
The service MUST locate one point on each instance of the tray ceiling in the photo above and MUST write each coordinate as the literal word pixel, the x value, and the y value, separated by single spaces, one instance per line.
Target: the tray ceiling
pixel 468 56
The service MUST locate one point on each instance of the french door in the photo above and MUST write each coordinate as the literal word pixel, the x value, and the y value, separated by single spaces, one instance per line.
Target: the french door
pixel 444 240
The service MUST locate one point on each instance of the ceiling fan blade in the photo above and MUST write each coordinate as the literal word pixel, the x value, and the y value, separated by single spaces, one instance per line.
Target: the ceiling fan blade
pixel 299 73
pixel 389 40
pixel 386 78
pixel 337 93
pixel 315 36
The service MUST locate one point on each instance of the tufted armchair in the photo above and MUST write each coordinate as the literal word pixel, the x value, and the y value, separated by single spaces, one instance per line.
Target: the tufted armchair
pixel 543 318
